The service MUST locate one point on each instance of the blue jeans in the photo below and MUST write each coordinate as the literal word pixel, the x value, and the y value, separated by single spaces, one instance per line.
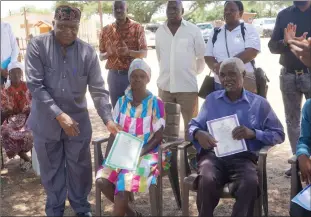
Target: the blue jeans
pixel 218 86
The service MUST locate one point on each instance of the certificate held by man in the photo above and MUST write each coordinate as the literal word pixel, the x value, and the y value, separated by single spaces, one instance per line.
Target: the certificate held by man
pixel 125 152
pixel 221 129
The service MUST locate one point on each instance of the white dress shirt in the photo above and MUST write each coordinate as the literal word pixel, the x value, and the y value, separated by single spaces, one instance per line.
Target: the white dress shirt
pixel 9 47
pixel 181 57
pixel 235 43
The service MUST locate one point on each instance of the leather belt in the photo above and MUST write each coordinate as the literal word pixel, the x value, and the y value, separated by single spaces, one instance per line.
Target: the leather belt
pixel 297 71
pixel 120 72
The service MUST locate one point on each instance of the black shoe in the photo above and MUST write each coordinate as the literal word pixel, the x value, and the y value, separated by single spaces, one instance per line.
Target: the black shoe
pixel 288 172
pixel 82 214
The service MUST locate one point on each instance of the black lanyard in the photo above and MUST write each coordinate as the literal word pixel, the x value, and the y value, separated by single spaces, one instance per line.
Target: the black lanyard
pixel 226 41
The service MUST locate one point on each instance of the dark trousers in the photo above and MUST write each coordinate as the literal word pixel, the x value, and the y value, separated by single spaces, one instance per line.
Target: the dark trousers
pixel 293 87
pixel 298 211
pixel 66 170
pixel 118 82
pixel 239 170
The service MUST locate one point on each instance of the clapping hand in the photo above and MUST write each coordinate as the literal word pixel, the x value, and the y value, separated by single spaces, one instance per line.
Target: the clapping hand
pixel 290 33
pixel 302 50
pixel 124 50
pixel 111 49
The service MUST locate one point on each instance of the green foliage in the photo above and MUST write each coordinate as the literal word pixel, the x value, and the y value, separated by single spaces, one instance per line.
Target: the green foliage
pixel 262 8
pixel 142 11
pixel 266 8
pixel 87 7
pixel 204 15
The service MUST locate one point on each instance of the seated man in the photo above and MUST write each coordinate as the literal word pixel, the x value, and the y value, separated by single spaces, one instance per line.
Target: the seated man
pixel 259 126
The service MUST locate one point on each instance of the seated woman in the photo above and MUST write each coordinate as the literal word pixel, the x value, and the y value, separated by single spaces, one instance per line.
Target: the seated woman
pixel 141 114
pixel 16 138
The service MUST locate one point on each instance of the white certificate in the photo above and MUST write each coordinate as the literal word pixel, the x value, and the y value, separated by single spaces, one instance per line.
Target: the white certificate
pixel 221 129
pixel 303 198
pixel 125 152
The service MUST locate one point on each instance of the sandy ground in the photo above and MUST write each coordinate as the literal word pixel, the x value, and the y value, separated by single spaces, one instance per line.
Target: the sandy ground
pixel 22 193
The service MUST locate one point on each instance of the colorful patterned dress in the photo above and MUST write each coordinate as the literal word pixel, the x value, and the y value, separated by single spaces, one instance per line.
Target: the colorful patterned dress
pixel 141 121
pixel 15 136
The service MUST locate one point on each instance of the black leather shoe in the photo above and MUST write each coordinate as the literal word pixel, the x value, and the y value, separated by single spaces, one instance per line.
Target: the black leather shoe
pixel 82 214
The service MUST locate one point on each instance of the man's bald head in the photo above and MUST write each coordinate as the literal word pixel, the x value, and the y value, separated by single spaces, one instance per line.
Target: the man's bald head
pixel 120 10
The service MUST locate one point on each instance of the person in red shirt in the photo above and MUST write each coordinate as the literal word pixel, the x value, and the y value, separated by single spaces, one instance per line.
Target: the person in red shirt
pixel 16 137
pixel 120 43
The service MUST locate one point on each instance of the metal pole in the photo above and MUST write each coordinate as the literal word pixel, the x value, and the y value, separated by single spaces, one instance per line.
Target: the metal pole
pixel 26 23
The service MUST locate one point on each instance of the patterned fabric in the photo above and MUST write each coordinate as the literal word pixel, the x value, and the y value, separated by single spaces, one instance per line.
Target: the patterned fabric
pixel 132 34
pixel 15 136
pixel 141 121
pixel 139 180
pixel 65 12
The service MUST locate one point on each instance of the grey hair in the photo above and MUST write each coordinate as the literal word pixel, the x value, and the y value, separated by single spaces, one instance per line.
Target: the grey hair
pixel 238 63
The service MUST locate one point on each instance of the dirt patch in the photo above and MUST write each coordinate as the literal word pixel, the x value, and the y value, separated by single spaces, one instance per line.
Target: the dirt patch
pixel 22 193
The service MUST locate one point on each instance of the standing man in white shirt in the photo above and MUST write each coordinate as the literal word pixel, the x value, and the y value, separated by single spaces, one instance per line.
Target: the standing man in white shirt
pixel 180 50
pixel 9 49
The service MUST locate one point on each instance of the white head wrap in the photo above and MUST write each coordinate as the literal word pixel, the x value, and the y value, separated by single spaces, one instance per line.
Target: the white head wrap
pixel 14 65
pixel 238 63
pixel 139 64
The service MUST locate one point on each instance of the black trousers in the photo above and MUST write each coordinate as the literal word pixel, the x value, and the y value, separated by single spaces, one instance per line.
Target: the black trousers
pixel 239 170
pixel 298 211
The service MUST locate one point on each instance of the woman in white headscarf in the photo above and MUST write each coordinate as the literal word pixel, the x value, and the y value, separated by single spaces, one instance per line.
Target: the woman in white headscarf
pixel 141 114
pixel 16 138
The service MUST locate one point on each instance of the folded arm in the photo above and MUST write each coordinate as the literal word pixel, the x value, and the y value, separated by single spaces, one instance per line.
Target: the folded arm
pixel 35 77
pixel 247 55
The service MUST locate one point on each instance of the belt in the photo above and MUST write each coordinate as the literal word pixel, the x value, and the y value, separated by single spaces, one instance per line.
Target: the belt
pixel 120 72
pixel 297 71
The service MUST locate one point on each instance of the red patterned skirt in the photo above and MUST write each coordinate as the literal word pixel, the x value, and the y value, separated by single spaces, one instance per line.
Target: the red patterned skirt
pixel 15 136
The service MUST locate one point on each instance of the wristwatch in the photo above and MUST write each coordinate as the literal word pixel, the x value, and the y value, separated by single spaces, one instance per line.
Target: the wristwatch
pixel 285 44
